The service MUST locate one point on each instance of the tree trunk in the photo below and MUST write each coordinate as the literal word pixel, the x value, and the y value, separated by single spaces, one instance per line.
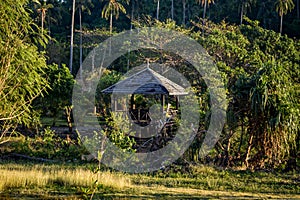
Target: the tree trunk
pixel 43 22
pixel 131 27
pixel 138 11
pixel 110 31
pixel 80 45
pixel 157 10
pixel 172 9
pixel 242 13
pixel 183 11
pixel 132 14
pixel 281 19
pixel 68 113
pixel 204 13
pixel 110 23
pixel 226 158
pixel 204 9
pixel 242 134
pixel 249 150
pixel 72 37
pixel 188 15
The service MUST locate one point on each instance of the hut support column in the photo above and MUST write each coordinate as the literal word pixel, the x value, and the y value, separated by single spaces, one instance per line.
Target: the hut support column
pixel 177 102
pixel 132 102
pixel 115 103
pixel 162 102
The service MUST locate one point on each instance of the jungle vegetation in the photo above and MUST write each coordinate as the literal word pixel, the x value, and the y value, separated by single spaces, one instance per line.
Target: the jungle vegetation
pixel 255 45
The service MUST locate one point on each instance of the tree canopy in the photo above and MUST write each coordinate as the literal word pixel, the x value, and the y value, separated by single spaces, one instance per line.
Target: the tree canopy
pixel 22 66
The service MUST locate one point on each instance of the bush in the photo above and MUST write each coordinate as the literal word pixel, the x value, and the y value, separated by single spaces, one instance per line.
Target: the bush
pixel 49 146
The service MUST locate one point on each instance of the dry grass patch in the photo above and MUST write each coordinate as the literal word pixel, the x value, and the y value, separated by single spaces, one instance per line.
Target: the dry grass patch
pixel 37 176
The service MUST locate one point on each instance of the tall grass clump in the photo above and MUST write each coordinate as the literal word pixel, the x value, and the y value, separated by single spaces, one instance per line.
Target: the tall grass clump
pixel 17 177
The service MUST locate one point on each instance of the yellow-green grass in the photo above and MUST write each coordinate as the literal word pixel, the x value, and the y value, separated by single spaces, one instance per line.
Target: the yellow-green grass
pixel 68 181
pixel 41 179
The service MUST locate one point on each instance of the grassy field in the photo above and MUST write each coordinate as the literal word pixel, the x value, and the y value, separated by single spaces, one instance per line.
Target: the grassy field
pixel 69 181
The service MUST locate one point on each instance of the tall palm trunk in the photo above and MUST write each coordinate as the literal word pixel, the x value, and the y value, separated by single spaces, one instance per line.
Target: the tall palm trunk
pixel 157 10
pixel 138 11
pixel 72 37
pixel 80 45
pixel 183 11
pixel 131 27
pixel 43 17
pixel 172 9
pixel 242 13
pixel 110 31
pixel 132 14
pixel 204 10
pixel 204 14
pixel 110 23
pixel 281 20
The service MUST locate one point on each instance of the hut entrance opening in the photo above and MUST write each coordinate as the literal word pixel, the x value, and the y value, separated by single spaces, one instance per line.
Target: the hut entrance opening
pixel 151 109
pixel 146 109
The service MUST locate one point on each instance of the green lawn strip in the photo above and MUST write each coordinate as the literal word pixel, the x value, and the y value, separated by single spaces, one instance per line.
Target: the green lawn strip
pixel 180 192
pixel 35 192
pixel 241 181
pixel 48 121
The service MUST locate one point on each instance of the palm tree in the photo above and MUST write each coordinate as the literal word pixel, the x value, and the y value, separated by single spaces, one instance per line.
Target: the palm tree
pixel 83 5
pixel 113 8
pixel 42 9
pixel 283 7
pixel 72 36
pixel 110 9
pixel 245 4
pixel 205 4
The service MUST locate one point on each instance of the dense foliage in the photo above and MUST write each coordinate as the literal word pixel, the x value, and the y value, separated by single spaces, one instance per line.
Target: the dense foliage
pixel 94 16
pixel 58 97
pixel 259 61
pixel 22 66
pixel 262 78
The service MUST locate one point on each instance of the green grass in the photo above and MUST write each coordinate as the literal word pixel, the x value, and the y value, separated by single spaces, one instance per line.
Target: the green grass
pixel 228 180
pixel 48 121
pixel 75 181
pixel 61 122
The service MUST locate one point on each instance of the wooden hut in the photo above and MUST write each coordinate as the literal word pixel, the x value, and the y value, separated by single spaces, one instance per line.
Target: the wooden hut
pixel 146 82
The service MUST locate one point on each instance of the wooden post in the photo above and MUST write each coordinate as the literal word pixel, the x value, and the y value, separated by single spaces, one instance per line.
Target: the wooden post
pixel 115 103
pixel 132 102
pixel 162 102
pixel 177 102
pixel 124 103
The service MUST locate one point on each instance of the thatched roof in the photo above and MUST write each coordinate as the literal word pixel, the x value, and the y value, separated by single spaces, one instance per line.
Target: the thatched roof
pixel 146 81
